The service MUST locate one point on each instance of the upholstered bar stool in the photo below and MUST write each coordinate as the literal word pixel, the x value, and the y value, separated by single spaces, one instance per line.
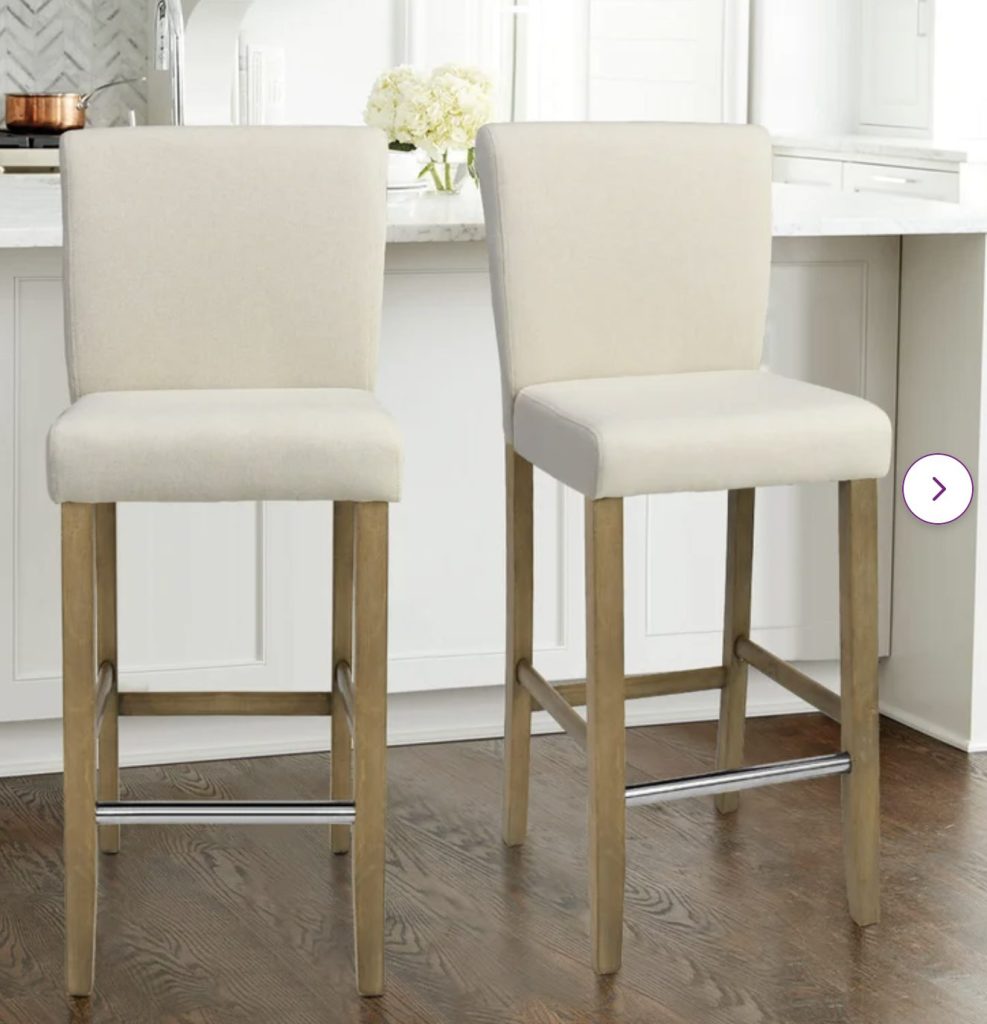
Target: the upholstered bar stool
pixel 223 299
pixel 630 311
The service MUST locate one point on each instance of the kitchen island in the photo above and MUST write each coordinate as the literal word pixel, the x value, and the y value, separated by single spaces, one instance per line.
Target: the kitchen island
pixel 876 295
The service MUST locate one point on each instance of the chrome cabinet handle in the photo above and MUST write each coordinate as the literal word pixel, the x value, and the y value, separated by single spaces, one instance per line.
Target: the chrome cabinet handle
pixel 922 18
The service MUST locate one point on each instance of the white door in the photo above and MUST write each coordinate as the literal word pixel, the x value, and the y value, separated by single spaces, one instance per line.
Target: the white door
pixel 896 47
pixel 632 60
pixel 656 60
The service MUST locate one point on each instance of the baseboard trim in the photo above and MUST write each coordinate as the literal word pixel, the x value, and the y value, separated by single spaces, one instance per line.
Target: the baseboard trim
pixel 923 725
pixel 444 716
pixel 437 716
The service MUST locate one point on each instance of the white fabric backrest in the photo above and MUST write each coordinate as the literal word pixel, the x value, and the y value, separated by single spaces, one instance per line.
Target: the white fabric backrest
pixel 223 257
pixel 625 249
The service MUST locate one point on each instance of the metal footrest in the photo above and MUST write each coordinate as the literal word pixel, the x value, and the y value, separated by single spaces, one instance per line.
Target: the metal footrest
pixel 225 812
pixel 742 778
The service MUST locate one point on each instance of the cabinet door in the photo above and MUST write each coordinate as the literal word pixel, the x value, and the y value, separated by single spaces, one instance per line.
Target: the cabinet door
pixel 202 587
pixel 896 38
pixel 684 61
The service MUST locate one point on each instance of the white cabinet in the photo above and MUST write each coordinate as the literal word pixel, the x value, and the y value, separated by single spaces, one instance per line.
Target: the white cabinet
pixel 902 181
pixel 919 168
pixel 198 608
pixel 798 170
pixel 896 50
pixel 237 596
pixel 922 70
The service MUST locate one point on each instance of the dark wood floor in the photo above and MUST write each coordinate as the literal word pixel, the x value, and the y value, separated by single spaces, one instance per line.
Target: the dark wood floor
pixel 735 921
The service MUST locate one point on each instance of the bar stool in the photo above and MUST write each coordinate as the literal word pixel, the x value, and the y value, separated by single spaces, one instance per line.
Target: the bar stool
pixel 629 266
pixel 223 299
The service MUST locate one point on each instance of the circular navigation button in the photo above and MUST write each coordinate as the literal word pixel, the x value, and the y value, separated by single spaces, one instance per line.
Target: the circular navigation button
pixel 937 489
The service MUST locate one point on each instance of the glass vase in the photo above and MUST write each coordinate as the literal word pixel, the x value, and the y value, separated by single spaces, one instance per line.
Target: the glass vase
pixel 445 177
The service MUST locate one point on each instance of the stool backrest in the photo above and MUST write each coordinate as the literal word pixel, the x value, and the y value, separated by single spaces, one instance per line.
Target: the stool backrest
pixel 625 249
pixel 223 257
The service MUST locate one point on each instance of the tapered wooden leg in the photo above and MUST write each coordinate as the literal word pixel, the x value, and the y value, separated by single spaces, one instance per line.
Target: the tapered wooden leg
pixel 79 735
pixel 605 707
pixel 859 698
pixel 341 779
pixel 106 650
pixel 520 615
pixel 370 744
pixel 736 624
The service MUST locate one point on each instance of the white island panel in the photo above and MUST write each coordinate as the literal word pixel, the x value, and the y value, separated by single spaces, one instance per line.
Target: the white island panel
pixel 237 596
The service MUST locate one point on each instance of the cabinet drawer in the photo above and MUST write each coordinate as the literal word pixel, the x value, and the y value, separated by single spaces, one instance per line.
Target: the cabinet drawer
pixel 800 170
pixel 902 181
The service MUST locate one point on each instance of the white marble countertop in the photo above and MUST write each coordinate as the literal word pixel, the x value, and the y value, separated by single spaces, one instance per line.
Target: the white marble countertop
pixel 807 210
pixel 891 146
pixel 430 217
pixel 30 214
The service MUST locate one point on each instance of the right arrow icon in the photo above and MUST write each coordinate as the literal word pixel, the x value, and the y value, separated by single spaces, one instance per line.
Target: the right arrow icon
pixel 937 488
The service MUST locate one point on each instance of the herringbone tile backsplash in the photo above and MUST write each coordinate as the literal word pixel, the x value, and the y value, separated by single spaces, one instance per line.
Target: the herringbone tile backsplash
pixel 75 45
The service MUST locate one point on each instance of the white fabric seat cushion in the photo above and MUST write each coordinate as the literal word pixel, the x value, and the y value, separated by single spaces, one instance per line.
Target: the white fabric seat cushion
pixel 707 431
pixel 225 445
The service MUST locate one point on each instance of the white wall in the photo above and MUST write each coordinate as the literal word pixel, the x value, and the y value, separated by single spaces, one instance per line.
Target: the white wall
pixel 959 94
pixel 604 59
pixel 334 50
pixel 804 65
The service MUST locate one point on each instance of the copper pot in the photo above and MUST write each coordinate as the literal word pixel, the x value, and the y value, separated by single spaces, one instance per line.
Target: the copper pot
pixel 52 112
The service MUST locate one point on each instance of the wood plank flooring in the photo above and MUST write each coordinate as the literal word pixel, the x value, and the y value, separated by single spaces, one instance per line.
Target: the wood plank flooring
pixel 728 921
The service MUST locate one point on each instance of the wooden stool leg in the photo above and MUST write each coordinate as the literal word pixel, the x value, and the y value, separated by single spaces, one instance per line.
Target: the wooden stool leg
pixel 736 624
pixel 370 744
pixel 79 735
pixel 520 615
pixel 106 650
pixel 859 698
pixel 341 777
pixel 605 706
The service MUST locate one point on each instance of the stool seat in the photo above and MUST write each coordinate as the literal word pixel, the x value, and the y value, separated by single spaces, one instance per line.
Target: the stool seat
pixel 711 430
pixel 225 445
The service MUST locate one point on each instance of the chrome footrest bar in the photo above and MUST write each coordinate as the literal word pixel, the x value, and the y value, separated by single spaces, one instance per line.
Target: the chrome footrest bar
pixel 226 812
pixel 742 778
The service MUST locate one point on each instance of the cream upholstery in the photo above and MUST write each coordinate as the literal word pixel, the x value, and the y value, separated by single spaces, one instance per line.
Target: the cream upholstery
pixel 629 268
pixel 225 445
pixel 618 249
pixel 618 436
pixel 223 257
pixel 223 294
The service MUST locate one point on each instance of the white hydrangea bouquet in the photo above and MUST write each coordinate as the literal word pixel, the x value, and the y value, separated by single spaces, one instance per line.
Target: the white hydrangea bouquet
pixel 438 113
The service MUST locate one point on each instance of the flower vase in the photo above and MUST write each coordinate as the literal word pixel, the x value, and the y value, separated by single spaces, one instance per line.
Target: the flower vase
pixel 444 176
pixel 403 168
